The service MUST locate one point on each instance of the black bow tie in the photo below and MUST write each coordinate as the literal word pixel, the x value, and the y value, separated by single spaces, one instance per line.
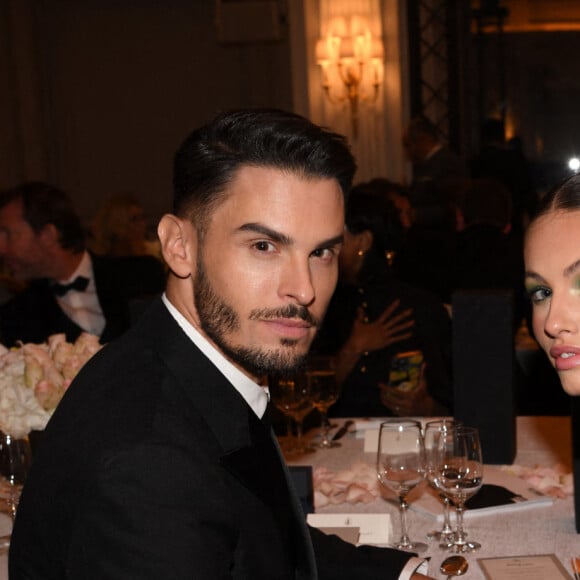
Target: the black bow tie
pixel 80 284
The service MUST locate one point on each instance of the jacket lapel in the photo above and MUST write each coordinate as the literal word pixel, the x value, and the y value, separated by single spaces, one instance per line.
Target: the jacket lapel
pixel 261 468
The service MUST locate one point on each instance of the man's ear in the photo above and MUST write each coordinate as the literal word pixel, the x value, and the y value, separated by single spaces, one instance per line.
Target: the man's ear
pixel 178 244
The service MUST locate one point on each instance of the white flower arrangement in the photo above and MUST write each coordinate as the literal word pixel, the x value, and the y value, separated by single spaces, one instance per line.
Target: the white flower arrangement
pixel 34 377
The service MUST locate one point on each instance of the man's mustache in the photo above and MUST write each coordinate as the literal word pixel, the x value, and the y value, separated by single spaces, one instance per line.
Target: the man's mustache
pixel 290 311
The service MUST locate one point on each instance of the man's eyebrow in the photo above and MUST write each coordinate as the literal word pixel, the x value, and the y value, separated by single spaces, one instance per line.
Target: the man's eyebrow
pixel 335 241
pixel 572 268
pixel 283 238
pixel 263 230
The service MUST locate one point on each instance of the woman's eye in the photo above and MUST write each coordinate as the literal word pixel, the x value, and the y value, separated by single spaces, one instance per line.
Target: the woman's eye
pixel 538 294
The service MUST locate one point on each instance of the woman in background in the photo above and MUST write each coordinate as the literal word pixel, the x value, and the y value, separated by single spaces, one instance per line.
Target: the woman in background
pixel 120 228
pixel 373 316
pixel 552 259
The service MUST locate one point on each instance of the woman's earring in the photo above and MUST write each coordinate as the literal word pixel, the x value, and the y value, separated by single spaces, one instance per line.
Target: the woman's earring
pixel 360 253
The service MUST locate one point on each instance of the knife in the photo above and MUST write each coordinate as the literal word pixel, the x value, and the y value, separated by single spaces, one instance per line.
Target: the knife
pixel 343 430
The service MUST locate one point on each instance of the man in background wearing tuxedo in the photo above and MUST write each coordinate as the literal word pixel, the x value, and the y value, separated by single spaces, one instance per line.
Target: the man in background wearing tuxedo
pixel 160 461
pixel 68 290
pixel 436 170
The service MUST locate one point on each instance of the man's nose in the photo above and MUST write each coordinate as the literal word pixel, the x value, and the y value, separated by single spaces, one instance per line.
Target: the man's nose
pixel 296 282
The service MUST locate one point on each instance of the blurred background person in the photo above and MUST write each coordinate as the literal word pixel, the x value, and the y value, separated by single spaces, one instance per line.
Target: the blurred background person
pixel 486 255
pixel 373 316
pixel 509 166
pixel 120 228
pixel 68 290
pixel 435 167
pixel 399 196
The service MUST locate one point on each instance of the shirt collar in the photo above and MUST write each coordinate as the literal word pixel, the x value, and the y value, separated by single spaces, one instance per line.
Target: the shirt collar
pixel 255 395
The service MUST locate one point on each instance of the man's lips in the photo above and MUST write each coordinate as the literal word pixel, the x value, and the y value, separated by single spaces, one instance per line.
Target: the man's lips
pixel 565 357
pixel 289 327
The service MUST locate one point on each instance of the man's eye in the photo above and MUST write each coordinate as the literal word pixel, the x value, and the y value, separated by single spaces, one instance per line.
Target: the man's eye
pixel 263 246
pixel 324 253
pixel 538 294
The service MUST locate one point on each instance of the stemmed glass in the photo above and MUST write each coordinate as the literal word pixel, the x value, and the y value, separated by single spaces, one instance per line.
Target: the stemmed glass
pixel 324 391
pixel 432 436
pixel 460 476
pixel 290 395
pixel 400 467
pixel 15 459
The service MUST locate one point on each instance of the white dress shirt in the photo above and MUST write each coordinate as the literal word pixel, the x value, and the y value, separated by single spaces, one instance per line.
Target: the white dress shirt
pixel 255 395
pixel 83 307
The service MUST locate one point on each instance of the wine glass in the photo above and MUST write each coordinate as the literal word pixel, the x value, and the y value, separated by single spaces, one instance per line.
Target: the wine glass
pixel 324 391
pixel 15 459
pixel 432 436
pixel 290 395
pixel 400 467
pixel 459 476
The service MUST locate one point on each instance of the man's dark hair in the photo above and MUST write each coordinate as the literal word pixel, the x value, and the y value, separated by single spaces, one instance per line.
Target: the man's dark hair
pixel 44 204
pixel 208 159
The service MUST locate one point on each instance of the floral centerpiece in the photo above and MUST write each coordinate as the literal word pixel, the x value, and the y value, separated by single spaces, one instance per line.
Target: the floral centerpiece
pixel 34 377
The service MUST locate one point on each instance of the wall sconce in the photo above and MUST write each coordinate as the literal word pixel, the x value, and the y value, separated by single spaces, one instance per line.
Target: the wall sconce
pixel 352 63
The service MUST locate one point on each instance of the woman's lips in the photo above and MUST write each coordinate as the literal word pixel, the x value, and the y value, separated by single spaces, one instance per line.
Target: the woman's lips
pixel 565 357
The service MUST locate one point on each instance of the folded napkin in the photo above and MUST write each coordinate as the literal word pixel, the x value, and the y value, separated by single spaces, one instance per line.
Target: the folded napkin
pixel 491 495
pixel 358 484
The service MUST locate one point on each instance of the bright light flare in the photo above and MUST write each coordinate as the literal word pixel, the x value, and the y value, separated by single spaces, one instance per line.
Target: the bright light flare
pixel 574 164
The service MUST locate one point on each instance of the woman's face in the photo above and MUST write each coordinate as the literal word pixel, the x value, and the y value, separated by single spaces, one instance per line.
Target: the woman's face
pixel 552 257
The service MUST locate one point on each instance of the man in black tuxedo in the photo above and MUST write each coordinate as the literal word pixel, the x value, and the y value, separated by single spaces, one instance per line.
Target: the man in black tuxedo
pixel 69 290
pixel 160 461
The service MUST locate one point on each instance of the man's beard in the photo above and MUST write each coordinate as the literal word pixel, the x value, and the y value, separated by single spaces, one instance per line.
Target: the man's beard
pixel 217 319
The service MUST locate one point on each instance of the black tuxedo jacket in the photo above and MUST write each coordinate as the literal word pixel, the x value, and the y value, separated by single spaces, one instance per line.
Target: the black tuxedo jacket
pixel 153 466
pixel 34 314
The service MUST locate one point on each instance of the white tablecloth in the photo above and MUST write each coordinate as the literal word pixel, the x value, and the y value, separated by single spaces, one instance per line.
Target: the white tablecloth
pixel 542 441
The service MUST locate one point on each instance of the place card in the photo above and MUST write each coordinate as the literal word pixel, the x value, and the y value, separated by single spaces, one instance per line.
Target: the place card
pixel 374 529
pixel 350 535
pixel 523 568
pixel 371 441
pixel 369 429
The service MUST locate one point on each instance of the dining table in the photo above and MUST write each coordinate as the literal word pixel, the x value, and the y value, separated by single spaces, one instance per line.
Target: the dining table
pixel 549 529
pixel 543 446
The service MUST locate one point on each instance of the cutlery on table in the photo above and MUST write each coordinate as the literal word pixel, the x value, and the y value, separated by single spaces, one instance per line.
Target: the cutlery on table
pixel 454 566
pixel 343 430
